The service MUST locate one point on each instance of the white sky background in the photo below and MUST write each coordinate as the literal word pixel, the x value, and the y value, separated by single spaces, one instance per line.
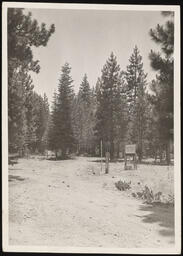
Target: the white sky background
pixel 85 39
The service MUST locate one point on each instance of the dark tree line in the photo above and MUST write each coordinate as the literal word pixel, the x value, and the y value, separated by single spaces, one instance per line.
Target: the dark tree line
pixel 163 86
pixel 27 111
pixel 118 110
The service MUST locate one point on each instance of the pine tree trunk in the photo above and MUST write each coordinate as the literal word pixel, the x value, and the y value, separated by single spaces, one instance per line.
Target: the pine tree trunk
pixel 167 153
pixel 111 150
pixel 155 157
pixel 118 148
pixel 107 163
pixel 64 153
pixel 161 156
pixel 140 153
pixel 140 156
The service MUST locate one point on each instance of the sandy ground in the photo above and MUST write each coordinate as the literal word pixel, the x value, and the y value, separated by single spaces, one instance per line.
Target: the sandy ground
pixel 63 203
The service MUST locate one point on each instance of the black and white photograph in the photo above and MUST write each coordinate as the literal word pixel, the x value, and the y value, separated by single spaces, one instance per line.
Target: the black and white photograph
pixel 91 128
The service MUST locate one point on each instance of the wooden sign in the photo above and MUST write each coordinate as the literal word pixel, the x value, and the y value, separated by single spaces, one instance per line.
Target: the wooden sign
pixel 130 149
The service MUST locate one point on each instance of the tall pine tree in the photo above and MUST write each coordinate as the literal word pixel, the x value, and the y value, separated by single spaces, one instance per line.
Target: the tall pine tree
pixel 53 143
pixel 137 100
pixel 84 117
pixel 23 33
pixel 62 121
pixel 109 104
pixel 163 63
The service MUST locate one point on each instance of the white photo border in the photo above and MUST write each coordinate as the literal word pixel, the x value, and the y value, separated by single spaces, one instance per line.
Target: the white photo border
pixel 177 147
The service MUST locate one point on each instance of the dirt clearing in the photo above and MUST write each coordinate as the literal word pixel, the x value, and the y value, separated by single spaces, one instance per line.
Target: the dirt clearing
pixel 69 203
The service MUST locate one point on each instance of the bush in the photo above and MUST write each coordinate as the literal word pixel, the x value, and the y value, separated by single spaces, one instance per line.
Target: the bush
pixel 149 197
pixel 122 185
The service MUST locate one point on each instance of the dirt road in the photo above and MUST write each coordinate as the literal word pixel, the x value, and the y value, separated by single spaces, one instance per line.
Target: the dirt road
pixel 67 203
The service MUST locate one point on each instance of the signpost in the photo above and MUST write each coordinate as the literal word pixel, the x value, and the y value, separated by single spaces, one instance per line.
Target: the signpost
pixel 130 152
pixel 101 154
pixel 107 157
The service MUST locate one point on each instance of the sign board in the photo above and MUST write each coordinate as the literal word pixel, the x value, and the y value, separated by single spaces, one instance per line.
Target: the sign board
pixel 130 149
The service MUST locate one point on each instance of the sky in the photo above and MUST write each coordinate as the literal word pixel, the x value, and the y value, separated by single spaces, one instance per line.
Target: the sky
pixel 85 39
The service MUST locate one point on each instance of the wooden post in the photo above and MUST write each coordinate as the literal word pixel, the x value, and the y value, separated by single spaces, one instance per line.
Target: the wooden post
pixel 101 153
pixel 135 161
pixel 125 161
pixel 107 162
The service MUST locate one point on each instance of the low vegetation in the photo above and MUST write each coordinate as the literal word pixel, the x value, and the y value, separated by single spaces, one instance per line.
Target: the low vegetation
pixel 122 185
pixel 146 194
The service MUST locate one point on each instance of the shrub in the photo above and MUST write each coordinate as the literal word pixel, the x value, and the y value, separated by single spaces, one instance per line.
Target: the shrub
pixel 149 197
pixel 122 185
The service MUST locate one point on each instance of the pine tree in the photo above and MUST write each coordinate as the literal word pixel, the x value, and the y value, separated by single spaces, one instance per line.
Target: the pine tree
pixel 136 97
pixel 37 112
pixel 17 94
pixel 85 91
pixel 163 63
pixel 23 33
pixel 84 117
pixel 84 102
pixel 53 143
pixel 76 122
pixel 63 123
pixel 153 134
pixel 41 113
pixel 46 114
pixel 30 105
pixel 121 114
pixel 108 104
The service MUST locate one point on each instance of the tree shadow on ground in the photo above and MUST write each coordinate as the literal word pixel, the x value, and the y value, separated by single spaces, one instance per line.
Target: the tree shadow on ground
pixel 163 214
pixel 163 163
pixel 59 159
pixel 14 169
pixel 111 161
pixel 15 177
pixel 97 161
pixel 12 162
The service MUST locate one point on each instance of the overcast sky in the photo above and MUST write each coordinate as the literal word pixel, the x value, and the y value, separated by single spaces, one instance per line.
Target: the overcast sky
pixel 85 39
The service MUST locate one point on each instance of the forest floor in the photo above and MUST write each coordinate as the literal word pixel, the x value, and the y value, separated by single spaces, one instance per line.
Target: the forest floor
pixel 73 203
